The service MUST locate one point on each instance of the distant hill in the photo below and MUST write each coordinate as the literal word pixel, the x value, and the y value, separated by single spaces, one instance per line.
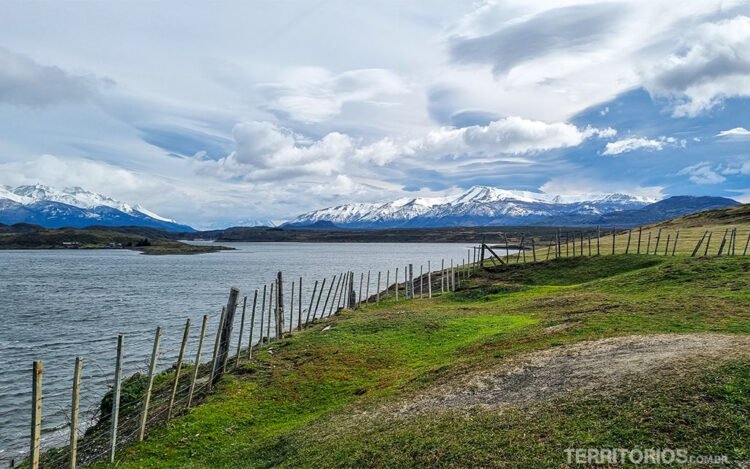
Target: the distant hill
pixel 75 207
pixel 734 215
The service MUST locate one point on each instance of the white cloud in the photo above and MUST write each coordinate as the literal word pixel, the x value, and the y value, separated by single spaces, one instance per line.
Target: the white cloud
pixel 738 132
pixel 702 174
pixel 629 144
pixel 711 63
pixel 575 186
pixel 507 136
pixel 265 151
pixel 313 94
pixel 626 145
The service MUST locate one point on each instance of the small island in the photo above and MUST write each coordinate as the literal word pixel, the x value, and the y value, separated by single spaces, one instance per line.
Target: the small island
pixel 151 242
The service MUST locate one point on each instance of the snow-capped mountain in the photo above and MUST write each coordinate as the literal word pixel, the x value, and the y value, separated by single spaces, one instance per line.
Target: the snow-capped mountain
pixel 481 206
pixel 75 207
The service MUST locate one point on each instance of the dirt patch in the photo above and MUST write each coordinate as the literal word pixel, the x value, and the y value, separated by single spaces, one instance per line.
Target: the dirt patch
pixel 600 366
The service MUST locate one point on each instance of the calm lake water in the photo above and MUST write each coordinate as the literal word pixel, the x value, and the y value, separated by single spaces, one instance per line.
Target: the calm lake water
pixel 56 305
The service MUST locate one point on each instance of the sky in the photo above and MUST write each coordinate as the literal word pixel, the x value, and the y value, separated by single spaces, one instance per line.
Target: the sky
pixel 222 113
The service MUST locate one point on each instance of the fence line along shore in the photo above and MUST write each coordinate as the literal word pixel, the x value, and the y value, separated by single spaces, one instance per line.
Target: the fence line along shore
pixel 125 419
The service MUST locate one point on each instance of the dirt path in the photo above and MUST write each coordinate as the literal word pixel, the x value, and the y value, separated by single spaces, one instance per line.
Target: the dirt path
pixel 600 365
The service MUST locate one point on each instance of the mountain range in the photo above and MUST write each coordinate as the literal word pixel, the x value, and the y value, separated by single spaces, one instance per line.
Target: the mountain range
pixel 75 207
pixel 491 206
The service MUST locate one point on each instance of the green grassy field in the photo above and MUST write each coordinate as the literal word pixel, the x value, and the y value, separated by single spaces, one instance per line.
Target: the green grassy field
pixel 328 396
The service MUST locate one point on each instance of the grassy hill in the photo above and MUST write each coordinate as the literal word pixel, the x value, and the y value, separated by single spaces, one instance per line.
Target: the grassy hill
pixel 437 382
pixel 520 364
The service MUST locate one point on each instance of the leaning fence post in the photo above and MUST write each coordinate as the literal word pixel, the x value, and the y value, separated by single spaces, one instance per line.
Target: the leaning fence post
pixel 658 237
pixel 328 295
pixel 648 243
pixel 747 243
pixel 627 246
pixel 676 238
pixel 708 242
pixel 252 326
pixel 312 298
pixel 36 412
pixel 640 229
pixel 533 248
pixel 215 359
pixel 320 295
pixel 177 371
pixel 150 384
pixel 74 406
pixel 666 248
pixel 226 329
pixel 116 399
pixel 197 360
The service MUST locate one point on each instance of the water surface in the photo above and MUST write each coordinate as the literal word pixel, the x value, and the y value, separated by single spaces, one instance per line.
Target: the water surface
pixel 60 304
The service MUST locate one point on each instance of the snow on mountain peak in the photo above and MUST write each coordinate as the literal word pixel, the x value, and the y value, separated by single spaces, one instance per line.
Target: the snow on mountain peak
pixel 75 196
pixel 478 204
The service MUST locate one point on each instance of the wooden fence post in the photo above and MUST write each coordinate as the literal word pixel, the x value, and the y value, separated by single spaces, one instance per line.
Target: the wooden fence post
pixel 640 229
pixel 312 300
pixel 666 248
pixel 614 232
pixel 574 245
pixel 36 412
pixel 442 273
pixel 396 283
pixel 723 242
pixel 271 294
pixel 698 246
pixel 421 282
pixel 252 326
pixel 361 281
pixel 279 306
pixel 648 243
pixel 747 243
pixel 242 330
pixel 74 407
pixel 116 400
pixel 291 309
pixel 481 257
pixel 197 364
pixel 226 330
pixel 676 238
pixel 429 278
pixel 328 296
pixel 627 247
pixel 377 290
pixel 299 306
pixel 598 237
pixel 708 242
pixel 178 369
pixel 367 289
pixel 658 237
pixel 149 384
pixel 215 358
pixel 533 248
pixel 320 295
pixel 262 314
